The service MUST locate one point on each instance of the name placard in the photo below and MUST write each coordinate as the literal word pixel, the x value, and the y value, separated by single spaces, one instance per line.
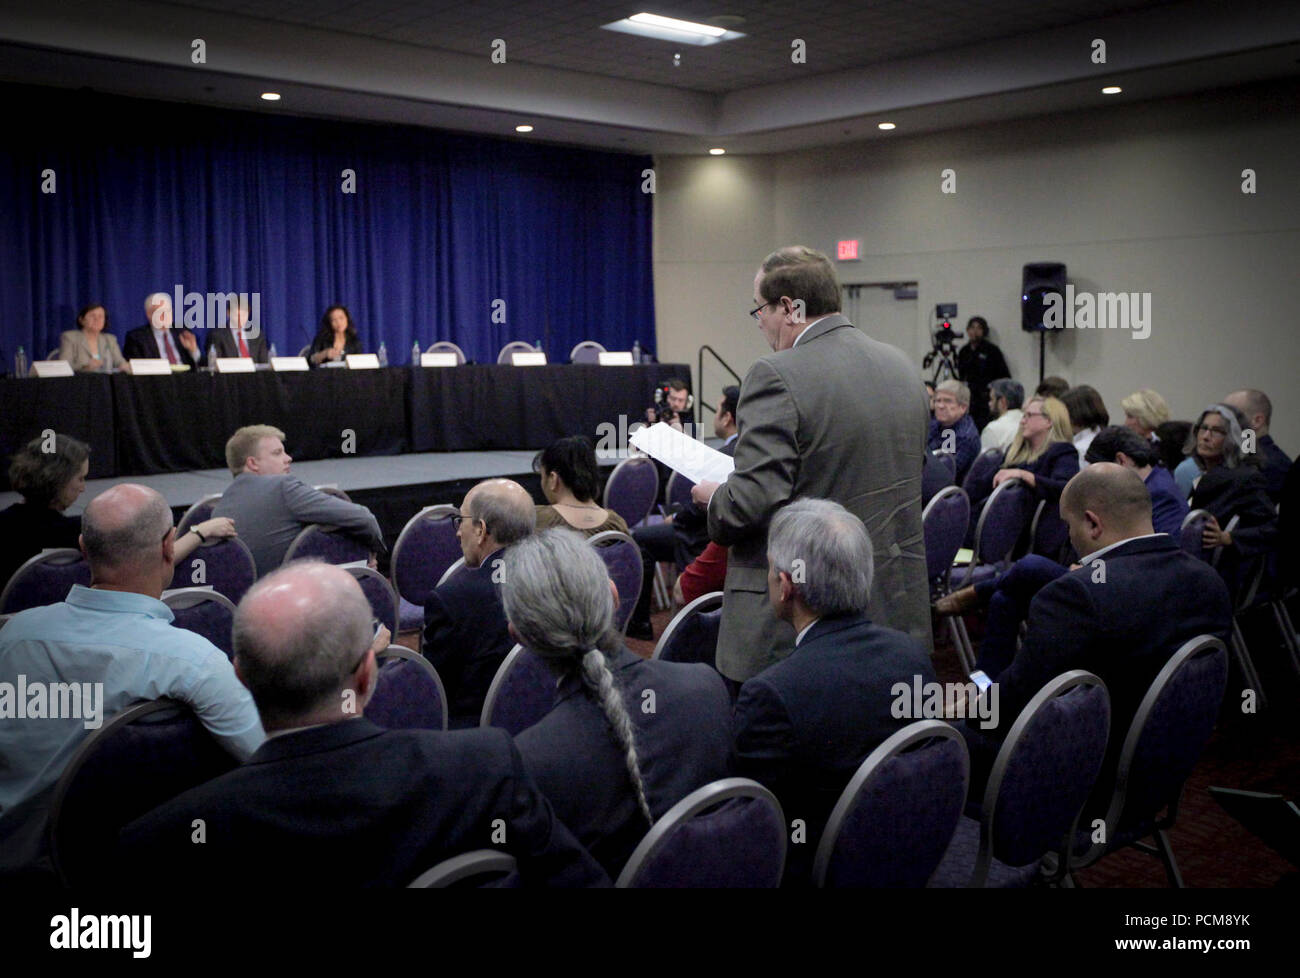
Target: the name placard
pixel 235 365
pixel 532 358
pixel 363 361
pixel 151 367
pixel 615 358
pixel 288 363
pixel 438 360
pixel 52 368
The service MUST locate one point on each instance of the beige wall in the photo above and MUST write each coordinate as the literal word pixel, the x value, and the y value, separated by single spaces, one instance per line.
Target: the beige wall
pixel 1137 198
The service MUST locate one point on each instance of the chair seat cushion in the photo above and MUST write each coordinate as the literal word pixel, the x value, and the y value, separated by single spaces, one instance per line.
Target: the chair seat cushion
pixel 409 616
pixel 959 862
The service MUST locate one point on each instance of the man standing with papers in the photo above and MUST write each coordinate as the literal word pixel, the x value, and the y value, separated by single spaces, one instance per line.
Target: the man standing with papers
pixel 830 414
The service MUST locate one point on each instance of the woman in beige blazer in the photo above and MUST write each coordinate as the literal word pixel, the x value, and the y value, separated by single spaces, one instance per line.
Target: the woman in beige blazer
pixel 91 349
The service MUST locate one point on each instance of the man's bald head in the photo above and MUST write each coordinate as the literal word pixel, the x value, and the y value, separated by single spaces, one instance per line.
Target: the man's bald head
pixel 1255 405
pixel 1103 504
pixel 122 530
pixel 300 634
pixel 505 506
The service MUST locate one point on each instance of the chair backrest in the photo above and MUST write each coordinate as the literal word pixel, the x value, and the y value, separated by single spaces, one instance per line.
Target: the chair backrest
pixel 949 460
pixel 1004 517
pixel 730 833
pixel 424 550
pixel 1048 533
pixel 226 565
pixel 197 513
pixel 622 558
pixel 458 566
pixel 981 471
pixel 515 346
pixel 588 351
pixel 471 869
pixel 305 350
pixel 380 594
pixel 522 692
pixel 329 543
pixel 894 821
pixel 44 579
pixel 678 491
pixel 692 635
pixel 409 694
pixel 944 522
pixel 632 489
pixel 1043 773
pixel 447 346
pixel 144 756
pixel 1189 534
pixel 204 612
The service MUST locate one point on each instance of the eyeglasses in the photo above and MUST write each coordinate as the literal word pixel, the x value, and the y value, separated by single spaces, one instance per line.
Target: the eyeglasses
pixel 951 401
pixel 1032 414
pixel 757 309
pixel 1221 432
pixel 375 624
pixel 458 518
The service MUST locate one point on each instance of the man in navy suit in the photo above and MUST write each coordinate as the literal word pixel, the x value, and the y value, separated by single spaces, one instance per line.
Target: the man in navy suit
pixel 160 338
pixel 1135 599
pixel 465 632
pixel 804 725
pixel 331 799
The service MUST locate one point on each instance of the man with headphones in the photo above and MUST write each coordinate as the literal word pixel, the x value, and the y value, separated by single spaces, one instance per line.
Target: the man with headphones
pixel 673 403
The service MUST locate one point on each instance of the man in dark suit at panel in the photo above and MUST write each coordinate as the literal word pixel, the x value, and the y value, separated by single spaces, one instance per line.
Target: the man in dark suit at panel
pixel 160 337
pixel 830 414
pixel 465 632
pixel 331 799
pixel 239 337
pixel 804 725
pixel 1122 614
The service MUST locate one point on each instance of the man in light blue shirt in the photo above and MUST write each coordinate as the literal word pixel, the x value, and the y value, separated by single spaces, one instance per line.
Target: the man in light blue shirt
pixel 65 668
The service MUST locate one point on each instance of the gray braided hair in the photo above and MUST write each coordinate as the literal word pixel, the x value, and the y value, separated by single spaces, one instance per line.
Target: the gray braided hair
pixel 555 592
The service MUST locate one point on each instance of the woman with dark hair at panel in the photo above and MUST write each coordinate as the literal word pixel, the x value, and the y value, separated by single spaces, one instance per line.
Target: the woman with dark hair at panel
pixel 1088 415
pixel 336 338
pixel 571 482
pixel 91 348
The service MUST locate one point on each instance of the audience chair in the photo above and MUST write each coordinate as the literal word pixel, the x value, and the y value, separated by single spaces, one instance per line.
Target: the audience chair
pixel 730 833
pixel 328 543
pixel 199 512
pixel 458 566
pixel 1243 585
pixel 517 346
pixel 944 522
pixel 44 579
pixel 896 818
pixel 632 489
pixel 482 867
pixel 380 594
pixel 622 558
pixel 1049 535
pixel 1163 744
pixel 980 474
pixel 1189 534
pixel 446 346
pixel 226 565
pixel 692 635
pixel 588 351
pixel 522 692
pixel 1042 777
pixel 424 550
pixel 949 461
pixel 409 694
pixel 205 612
pixel 142 757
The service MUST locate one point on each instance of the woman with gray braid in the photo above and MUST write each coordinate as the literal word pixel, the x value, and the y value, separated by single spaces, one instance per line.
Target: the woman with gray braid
pixel 627 738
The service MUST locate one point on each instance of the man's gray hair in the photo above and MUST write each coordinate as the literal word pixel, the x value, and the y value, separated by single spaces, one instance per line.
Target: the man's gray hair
pixel 827 553
pixel 957 389
pixel 293 678
pixel 509 517
pixel 130 542
pixel 154 298
pixel 1012 391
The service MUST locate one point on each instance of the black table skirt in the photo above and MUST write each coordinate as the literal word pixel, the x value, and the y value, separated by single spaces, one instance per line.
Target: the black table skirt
pixel 80 406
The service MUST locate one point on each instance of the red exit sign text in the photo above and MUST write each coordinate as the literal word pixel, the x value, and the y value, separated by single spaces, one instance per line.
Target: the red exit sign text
pixel 847 250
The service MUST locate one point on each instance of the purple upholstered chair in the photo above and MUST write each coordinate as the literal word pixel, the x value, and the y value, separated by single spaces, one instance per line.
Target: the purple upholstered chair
pixel 979 477
pixel 480 868
pixel 328 543
pixel 622 558
pixel 425 548
pixel 522 692
pixel 730 833
pixel 1043 774
pixel 409 694
pixel 226 565
pixel 197 513
pixel 380 594
pixel 1189 535
pixel 632 489
pixel 146 755
pixel 1163 744
pixel 894 821
pixel 1048 533
pixel 692 635
pixel 949 461
pixel 1003 519
pixel 513 347
pixel 944 523
pixel 588 351
pixel 447 346
pixel 44 579
pixel 205 612
pixel 677 495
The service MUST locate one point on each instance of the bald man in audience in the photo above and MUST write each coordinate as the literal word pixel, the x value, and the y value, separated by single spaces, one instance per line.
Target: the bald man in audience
pixel 1135 598
pixel 465 630
pixel 102 649
pixel 1274 463
pixel 332 799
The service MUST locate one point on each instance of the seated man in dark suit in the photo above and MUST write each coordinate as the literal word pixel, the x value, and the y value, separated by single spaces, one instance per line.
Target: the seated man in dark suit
pixel 804 725
pixel 465 634
pixel 1136 598
pixel 271 507
pixel 1274 463
pixel 160 337
pixel 331 799
pixel 239 337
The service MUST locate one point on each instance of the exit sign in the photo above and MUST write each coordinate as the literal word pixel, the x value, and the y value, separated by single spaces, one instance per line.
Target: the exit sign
pixel 847 250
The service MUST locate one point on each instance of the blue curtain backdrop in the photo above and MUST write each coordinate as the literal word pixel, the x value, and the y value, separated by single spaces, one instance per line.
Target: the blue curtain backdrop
pixel 152 194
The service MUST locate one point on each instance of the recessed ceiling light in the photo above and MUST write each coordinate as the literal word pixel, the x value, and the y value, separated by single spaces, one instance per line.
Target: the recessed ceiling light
pixel 717 151
pixel 671 29
pixel 1111 90
pixel 270 96
pixel 523 128
pixel 886 126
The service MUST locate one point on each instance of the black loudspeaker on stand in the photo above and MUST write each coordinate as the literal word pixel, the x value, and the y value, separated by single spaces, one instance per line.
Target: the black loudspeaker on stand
pixel 1040 279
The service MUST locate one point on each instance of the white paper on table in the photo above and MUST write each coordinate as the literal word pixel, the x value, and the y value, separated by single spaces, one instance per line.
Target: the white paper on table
pixel 682 453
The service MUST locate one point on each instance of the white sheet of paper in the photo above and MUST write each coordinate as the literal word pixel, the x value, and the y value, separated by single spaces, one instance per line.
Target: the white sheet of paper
pixel 682 453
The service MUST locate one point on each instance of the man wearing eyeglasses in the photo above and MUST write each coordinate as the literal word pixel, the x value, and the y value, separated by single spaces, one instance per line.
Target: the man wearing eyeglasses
pixel 465 632
pixel 830 414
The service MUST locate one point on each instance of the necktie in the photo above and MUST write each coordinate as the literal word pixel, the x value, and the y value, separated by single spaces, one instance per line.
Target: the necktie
pixel 243 347
pixel 171 349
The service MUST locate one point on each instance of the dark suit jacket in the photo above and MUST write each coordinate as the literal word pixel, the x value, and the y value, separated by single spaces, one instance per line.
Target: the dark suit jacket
pixel 324 342
pixel 140 345
pixel 804 725
pixel 1274 465
pixel 682 745
pixel 350 804
pixel 466 639
pixel 964 441
pixel 1058 464
pixel 223 341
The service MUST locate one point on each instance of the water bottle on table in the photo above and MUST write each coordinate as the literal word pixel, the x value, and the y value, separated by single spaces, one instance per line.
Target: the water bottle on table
pixel 415 354
pixel 383 354
pixel 20 363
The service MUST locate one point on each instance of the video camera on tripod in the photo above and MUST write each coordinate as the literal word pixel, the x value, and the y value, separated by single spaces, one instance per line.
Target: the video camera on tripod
pixel 942 355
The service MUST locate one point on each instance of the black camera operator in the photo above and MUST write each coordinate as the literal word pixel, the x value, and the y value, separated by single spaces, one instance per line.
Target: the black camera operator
pixel 979 363
pixel 673 404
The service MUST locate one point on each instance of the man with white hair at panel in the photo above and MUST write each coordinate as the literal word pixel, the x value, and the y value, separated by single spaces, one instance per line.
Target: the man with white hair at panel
pixel 804 725
pixel 161 337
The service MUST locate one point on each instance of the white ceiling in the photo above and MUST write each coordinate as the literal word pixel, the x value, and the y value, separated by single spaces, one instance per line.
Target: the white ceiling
pixel 925 64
